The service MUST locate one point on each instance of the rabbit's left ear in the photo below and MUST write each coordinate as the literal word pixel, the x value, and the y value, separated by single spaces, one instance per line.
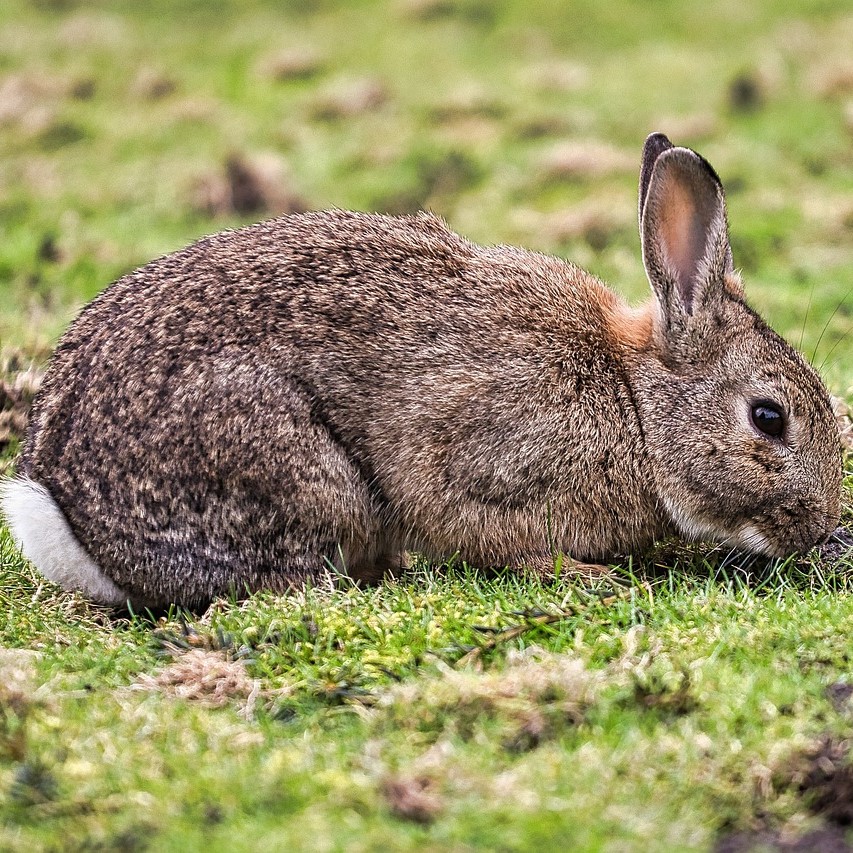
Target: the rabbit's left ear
pixel 655 145
pixel 683 228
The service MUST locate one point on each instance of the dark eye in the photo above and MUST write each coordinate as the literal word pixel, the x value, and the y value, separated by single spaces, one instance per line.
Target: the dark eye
pixel 768 418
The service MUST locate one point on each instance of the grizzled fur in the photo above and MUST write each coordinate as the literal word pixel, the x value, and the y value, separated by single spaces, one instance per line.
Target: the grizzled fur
pixel 330 389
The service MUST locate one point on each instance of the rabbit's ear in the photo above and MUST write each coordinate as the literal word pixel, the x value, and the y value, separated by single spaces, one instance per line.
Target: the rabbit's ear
pixel 683 228
pixel 655 145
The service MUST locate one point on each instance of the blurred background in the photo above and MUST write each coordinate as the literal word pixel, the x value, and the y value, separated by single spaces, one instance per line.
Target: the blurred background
pixel 129 129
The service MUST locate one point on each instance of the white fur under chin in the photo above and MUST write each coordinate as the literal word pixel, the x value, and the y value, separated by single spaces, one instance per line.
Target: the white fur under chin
pixel 747 536
pixel 42 533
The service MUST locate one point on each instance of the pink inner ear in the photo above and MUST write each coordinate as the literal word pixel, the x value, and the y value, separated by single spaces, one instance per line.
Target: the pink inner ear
pixel 684 226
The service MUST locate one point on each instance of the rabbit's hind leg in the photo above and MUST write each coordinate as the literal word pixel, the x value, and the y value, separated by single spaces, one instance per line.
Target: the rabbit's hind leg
pixel 371 568
pixel 296 506
pixel 308 519
pixel 250 490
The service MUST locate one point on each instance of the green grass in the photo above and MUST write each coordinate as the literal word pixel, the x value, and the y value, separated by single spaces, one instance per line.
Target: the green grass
pixel 698 702
pixel 683 709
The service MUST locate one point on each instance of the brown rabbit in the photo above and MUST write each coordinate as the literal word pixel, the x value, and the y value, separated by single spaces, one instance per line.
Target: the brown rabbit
pixel 322 391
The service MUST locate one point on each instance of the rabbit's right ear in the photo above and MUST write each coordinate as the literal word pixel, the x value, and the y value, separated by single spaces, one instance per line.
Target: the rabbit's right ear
pixel 683 229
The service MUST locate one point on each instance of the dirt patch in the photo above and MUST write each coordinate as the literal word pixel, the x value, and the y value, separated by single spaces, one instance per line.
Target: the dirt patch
pixel 542 126
pixel 597 221
pixel 412 798
pixel 839 694
pixel 32 103
pixel 827 840
pixel 833 79
pixel 349 98
pixel 296 63
pixel 837 547
pixel 746 93
pixel 585 159
pixel 28 103
pixel 259 184
pixel 467 101
pixel 435 175
pixel 152 85
pixel 469 116
pixel 470 11
pixel 821 776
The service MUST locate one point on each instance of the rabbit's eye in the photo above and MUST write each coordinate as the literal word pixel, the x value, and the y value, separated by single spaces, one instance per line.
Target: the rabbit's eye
pixel 768 418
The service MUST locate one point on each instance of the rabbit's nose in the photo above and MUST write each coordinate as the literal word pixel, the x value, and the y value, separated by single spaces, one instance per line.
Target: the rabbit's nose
pixel 839 536
pixel 837 544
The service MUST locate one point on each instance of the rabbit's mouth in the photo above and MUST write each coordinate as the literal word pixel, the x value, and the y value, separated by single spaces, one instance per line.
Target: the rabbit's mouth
pixel 789 538
pixel 750 539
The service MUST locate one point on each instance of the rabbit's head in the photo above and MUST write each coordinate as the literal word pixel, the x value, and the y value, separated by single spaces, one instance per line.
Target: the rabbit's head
pixel 744 443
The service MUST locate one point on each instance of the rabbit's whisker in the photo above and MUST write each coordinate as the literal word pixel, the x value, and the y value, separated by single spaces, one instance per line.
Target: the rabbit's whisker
pixel 806 315
pixel 829 320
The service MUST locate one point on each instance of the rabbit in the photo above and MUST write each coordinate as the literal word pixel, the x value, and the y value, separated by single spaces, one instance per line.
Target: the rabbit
pixel 319 393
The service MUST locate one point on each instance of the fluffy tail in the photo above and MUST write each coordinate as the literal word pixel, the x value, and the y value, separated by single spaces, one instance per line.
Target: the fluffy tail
pixel 42 533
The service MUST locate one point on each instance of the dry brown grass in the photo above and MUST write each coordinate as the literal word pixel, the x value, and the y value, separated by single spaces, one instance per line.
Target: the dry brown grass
pixel 150 84
pixel 833 78
pixel 534 697
pixel 20 380
pixel 348 97
pixel 412 797
pixel 17 686
pixel 204 676
pixel 294 63
pixel 596 221
pixel 844 416
pixel 586 159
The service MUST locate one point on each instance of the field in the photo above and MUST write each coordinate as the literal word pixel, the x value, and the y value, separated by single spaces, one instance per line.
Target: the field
pixel 700 701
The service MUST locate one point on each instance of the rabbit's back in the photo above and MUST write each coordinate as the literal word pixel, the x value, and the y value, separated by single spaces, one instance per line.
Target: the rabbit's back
pixel 376 316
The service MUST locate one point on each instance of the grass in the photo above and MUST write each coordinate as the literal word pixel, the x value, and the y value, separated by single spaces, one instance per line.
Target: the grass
pixel 706 703
pixel 687 707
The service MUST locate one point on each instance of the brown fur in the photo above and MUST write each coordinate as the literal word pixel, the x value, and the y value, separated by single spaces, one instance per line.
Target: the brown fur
pixel 631 328
pixel 330 389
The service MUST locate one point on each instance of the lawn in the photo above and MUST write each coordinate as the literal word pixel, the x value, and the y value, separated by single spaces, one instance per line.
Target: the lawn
pixel 697 701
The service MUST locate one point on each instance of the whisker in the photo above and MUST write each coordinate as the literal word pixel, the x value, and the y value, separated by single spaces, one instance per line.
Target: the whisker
pixel 806 315
pixel 826 365
pixel 841 339
pixel 826 325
